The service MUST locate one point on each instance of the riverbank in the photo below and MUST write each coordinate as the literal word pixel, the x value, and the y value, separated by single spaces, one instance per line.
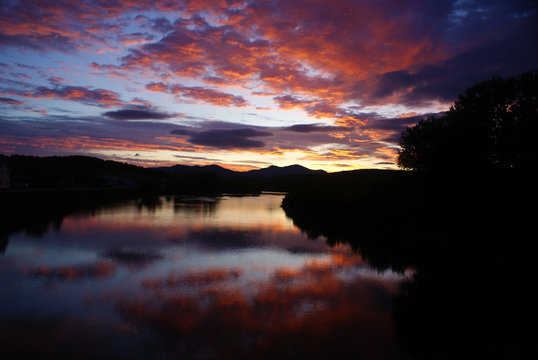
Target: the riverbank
pixel 35 210
pixel 382 203
pixel 467 239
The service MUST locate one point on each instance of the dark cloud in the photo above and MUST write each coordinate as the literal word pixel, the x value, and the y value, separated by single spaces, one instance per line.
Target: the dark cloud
pixel 183 131
pixel 393 81
pixel 394 126
pixel 161 25
pixel 214 80
pixel 14 84
pixel 393 139
pixel 11 101
pixel 21 76
pixel 509 48
pixel 68 134
pixel 141 113
pixel 39 43
pixel 397 124
pixel 290 102
pixel 29 67
pixel 195 158
pixel 55 80
pixel 310 128
pixel 229 139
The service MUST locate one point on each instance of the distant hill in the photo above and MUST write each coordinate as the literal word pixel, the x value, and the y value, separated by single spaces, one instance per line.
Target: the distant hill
pixel 276 171
pixel 186 169
pixel 32 172
pixel 226 174
pixel 76 172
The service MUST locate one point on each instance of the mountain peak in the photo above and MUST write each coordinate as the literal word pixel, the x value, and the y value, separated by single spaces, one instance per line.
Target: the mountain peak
pixel 275 171
pixel 270 171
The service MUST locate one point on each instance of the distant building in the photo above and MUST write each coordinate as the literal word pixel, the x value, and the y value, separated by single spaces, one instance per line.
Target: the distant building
pixel 4 174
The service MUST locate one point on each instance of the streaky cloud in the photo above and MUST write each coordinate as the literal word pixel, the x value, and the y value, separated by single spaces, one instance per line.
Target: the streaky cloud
pixel 138 114
pixel 311 128
pixel 6 100
pixel 230 138
pixel 84 95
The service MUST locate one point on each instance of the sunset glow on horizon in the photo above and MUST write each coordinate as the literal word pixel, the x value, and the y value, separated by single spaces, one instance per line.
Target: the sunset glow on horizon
pixel 245 84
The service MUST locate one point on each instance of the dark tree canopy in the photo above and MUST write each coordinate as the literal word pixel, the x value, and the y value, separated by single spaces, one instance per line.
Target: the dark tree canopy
pixel 493 125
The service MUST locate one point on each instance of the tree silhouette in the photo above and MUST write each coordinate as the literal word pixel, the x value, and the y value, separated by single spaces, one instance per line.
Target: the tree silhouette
pixel 493 125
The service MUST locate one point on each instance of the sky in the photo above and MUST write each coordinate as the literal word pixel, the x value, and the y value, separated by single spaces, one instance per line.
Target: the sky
pixel 245 84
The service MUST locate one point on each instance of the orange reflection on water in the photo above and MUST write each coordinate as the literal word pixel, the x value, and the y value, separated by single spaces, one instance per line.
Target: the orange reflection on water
pixel 309 310
pixel 193 278
pixel 234 213
pixel 227 279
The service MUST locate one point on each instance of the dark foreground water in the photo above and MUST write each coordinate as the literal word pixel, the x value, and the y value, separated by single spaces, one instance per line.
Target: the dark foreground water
pixel 210 278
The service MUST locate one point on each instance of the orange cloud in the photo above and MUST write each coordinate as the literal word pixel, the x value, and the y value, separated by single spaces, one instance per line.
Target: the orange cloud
pixel 208 95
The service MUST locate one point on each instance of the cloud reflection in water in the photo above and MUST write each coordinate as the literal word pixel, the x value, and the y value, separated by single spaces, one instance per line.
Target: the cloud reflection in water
pixel 239 281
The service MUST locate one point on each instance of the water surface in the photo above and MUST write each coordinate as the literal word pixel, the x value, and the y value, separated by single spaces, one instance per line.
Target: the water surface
pixel 206 278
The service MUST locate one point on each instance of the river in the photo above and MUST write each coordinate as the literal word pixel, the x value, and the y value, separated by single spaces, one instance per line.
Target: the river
pixel 191 278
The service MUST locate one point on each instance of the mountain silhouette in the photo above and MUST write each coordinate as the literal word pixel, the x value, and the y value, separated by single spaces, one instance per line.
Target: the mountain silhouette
pixel 223 173
pixel 179 169
pixel 274 171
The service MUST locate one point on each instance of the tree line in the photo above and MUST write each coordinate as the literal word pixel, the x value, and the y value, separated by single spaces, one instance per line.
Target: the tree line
pixel 492 126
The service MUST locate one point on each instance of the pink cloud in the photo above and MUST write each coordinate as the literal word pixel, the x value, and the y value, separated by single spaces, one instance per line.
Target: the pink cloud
pixel 96 97
pixel 208 95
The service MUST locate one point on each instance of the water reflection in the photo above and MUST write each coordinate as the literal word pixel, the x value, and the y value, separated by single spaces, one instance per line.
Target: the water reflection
pixel 469 295
pixel 206 278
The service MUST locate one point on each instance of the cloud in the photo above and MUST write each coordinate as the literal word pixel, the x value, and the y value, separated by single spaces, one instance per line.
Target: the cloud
pixel 196 158
pixel 214 97
pixel 84 95
pixel 388 130
pixel 161 24
pixel 52 27
pixel 322 109
pixel 351 51
pixel 369 56
pixel 287 102
pixel 397 124
pixel 11 101
pixel 64 135
pixel 229 139
pixel 182 131
pixel 141 113
pixel 208 95
pixel 337 62
pixel 135 39
pixel 310 128
pixel 55 80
